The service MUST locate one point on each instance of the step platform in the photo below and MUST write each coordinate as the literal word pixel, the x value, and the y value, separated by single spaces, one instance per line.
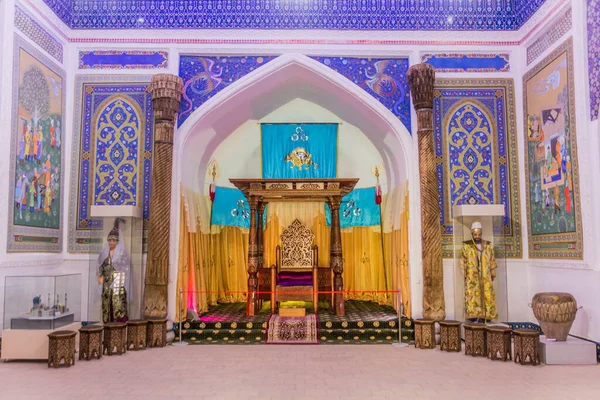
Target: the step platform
pixel 574 351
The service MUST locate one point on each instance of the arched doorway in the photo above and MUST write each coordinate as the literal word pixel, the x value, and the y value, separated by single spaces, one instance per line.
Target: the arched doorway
pixel 252 97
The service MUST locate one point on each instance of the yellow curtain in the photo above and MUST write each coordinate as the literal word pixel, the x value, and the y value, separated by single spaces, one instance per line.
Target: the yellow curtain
pixel 219 257
pixel 395 217
pixel 227 253
pixel 191 274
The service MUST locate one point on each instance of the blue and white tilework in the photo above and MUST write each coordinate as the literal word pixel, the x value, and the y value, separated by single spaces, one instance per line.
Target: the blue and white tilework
pixel 205 76
pixel 383 78
pixel 476 151
pixel 34 31
pixel 433 15
pixel 106 110
pixel 551 36
pixel 468 62
pixel 593 24
pixel 122 59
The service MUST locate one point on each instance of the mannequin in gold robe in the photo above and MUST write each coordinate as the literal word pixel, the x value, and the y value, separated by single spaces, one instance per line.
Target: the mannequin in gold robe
pixel 479 269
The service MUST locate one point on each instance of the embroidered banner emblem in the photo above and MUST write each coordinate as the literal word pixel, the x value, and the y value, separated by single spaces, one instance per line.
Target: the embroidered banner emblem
pixel 299 158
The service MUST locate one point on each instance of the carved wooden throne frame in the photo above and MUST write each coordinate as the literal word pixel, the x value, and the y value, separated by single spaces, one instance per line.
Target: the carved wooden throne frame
pixel 296 254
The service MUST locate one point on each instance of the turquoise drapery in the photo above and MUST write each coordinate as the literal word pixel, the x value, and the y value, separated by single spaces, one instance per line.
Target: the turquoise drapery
pixel 358 208
pixel 230 208
pixel 284 143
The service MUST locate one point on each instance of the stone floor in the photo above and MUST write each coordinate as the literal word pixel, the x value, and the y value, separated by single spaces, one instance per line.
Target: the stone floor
pixel 296 372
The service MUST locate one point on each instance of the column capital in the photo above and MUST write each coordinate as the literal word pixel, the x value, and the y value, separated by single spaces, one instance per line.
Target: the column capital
pixel 421 79
pixel 335 202
pixel 261 207
pixel 166 92
pixel 253 203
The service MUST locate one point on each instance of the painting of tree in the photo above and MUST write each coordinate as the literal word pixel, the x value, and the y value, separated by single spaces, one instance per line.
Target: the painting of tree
pixel 34 94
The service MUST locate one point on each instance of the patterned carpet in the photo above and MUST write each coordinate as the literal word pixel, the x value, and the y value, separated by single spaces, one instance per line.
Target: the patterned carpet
pixel 365 322
pixel 292 330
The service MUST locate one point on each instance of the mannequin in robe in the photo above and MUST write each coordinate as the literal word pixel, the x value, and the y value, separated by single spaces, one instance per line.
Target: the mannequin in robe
pixel 113 275
pixel 479 268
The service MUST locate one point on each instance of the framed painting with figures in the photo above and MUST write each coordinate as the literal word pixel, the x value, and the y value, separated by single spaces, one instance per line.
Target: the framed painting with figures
pixel 36 152
pixel 553 211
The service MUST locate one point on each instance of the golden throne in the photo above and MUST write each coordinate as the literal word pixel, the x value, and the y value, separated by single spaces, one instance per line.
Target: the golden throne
pixel 295 275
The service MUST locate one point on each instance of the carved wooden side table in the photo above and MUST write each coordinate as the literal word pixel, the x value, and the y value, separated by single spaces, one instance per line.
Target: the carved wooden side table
pixel 450 335
pixel 499 343
pixel 424 334
pixel 475 340
pixel 90 342
pixel 136 334
pixel 61 347
pixel 156 332
pixel 527 346
pixel 115 338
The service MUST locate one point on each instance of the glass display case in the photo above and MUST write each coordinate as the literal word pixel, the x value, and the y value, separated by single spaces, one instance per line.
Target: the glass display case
pixel 115 278
pixel 480 281
pixel 42 302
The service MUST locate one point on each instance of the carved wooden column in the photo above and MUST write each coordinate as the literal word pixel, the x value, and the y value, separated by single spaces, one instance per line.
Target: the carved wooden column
pixel 259 234
pixel 252 259
pixel 166 95
pixel 421 78
pixel 337 261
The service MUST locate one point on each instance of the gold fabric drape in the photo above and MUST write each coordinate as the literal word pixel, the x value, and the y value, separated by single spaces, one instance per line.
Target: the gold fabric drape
pixel 220 256
pixel 191 275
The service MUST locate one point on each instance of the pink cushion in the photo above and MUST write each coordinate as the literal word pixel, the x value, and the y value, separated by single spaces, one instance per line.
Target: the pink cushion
pixel 295 275
pixel 294 282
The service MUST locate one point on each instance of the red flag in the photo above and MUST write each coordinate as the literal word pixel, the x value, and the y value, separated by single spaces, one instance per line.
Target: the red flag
pixel 378 194
pixel 212 191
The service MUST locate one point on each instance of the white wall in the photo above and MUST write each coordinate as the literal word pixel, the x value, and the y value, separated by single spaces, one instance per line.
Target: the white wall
pixel 239 155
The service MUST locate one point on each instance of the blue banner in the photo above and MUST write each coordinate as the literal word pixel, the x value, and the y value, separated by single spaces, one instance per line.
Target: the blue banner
pixel 299 151
pixel 230 208
pixel 358 208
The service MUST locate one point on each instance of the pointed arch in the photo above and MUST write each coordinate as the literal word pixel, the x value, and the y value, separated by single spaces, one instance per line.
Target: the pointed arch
pixel 255 95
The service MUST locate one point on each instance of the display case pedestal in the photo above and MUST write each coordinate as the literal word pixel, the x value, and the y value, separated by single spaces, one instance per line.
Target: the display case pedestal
pixel 574 351
pixel 48 323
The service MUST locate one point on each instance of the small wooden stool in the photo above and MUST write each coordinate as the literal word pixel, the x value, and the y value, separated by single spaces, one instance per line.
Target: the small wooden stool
pixel 136 334
pixel 61 346
pixel 115 338
pixel 90 342
pixel 424 334
pixel 450 335
pixel 499 342
pixel 475 340
pixel 527 345
pixel 156 333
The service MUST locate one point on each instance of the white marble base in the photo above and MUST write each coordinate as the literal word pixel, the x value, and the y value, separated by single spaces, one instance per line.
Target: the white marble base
pixel 572 352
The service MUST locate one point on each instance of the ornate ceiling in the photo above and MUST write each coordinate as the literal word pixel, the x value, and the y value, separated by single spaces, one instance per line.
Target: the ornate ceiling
pixel 433 15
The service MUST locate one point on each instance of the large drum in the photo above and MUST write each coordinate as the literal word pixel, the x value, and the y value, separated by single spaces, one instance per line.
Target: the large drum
pixel 555 312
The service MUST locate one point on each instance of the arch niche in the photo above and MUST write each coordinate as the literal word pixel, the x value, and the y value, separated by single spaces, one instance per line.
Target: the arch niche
pixel 257 94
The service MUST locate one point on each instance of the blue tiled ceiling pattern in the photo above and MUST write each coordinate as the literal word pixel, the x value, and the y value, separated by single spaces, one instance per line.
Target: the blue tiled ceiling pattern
pixel 456 15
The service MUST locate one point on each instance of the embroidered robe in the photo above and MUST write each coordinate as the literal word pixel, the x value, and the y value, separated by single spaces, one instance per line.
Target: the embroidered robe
pixel 479 269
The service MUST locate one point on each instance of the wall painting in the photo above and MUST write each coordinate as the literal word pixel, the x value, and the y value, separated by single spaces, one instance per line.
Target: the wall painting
pixel 36 152
pixel 553 205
